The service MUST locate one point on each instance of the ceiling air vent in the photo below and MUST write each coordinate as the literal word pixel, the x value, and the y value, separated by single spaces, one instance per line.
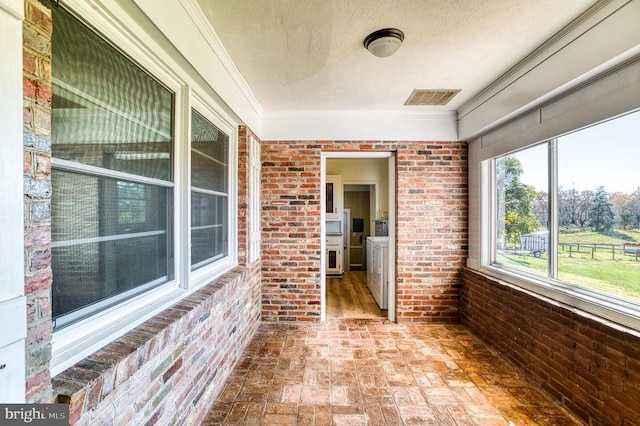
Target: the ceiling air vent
pixel 431 97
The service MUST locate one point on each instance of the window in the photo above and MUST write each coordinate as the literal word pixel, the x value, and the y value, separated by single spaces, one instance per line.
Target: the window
pixel 522 237
pixel 112 175
pixel 585 233
pixel 209 192
pixel 142 215
pixel 254 200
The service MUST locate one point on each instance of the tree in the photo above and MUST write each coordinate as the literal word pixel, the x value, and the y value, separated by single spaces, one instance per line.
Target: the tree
pixel 515 201
pixel 568 207
pixel 585 204
pixel 622 207
pixel 600 214
pixel 541 207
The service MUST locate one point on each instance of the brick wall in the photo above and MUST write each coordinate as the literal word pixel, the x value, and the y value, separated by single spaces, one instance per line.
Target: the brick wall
pixel 432 230
pixel 37 196
pixel 591 367
pixel 169 369
pixel 431 200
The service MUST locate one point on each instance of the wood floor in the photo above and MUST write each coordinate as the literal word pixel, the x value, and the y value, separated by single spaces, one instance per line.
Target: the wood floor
pixel 349 297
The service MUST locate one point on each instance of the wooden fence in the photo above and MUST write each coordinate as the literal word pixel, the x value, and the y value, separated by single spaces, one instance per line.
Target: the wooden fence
pixel 624 249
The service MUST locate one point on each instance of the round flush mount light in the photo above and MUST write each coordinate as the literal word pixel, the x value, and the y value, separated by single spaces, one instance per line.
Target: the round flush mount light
pixel 385 42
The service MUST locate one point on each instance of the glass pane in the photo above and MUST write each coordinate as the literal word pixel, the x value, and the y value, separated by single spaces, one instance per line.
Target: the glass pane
pixel 209 227
pixel 599 207
pixel 329 197
pixel 522 205
pixel 209 172
pixel 332 259
pixel 86 273
pixel 108 237
pixel 106 111
pixel 89 207
pixel 209 155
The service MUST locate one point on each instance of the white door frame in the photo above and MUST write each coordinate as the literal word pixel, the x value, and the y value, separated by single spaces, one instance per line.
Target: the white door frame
pixel 391 157
pixel 346 238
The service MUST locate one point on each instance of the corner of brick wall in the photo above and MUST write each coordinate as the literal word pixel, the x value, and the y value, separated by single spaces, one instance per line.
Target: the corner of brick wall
pixel 290 199
pixel 432 200
pixel 590 366
pixel 36 57
pixel 431 228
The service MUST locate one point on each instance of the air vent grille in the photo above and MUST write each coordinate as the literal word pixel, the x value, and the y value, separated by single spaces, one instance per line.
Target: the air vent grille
pixel 431 97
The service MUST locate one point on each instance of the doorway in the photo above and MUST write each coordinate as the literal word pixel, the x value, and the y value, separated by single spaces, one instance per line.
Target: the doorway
pixel 367 188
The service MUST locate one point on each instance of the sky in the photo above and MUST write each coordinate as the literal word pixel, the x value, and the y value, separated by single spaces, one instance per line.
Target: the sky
pixel 606 155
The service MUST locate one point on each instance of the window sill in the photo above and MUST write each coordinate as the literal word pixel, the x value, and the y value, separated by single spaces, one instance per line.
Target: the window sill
pixel 95 377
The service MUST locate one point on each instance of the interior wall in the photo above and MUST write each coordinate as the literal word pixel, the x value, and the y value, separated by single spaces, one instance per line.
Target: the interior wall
pixel 431 233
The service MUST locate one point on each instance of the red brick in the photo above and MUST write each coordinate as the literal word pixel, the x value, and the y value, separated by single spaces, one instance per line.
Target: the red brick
pixel 40 259
pixel 44 71
pixel 27 115
pixel 43 94
pixel 42 118
pixel 38 383
pixel 29 62
pixel 43 165
pixel 26 162
pixel 37 236
pixel 29 87
pixel 38 16
pixel 38 333
pixel 38 282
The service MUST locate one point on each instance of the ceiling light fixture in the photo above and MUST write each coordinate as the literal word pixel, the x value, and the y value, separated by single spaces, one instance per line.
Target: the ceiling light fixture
pixel 385 42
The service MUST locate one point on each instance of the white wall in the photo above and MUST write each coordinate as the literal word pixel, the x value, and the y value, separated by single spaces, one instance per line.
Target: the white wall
pixel 12 301
pixel 364 171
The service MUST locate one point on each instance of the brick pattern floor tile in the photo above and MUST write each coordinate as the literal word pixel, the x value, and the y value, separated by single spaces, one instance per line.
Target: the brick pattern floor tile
pixel 374 372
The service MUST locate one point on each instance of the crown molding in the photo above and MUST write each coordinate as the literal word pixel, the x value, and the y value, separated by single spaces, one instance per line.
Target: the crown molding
pixel 14 8
pixel 203 25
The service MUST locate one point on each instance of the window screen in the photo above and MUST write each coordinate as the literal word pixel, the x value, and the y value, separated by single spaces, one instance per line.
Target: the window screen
pixel 112 176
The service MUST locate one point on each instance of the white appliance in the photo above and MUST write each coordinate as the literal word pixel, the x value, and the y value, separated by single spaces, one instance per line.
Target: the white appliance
pixel 382 228
pixel 378 270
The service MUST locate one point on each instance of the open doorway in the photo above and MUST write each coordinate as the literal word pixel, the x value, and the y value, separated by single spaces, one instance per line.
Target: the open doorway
pixel 358 266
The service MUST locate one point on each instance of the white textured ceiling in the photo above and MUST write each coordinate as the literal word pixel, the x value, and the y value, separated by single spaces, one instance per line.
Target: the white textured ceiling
pixel 307 55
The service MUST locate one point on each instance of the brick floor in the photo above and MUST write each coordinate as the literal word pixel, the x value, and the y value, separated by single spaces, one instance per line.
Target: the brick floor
pixel 373 372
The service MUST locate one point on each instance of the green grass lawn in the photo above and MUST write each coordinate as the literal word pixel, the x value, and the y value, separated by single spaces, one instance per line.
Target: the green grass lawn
pixel 620 277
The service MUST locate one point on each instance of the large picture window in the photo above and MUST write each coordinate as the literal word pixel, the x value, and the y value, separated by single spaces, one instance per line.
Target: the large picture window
pixel 112 174
pixel 583 229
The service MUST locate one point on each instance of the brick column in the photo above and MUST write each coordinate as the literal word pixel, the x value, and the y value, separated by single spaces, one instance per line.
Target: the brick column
pixel 37 29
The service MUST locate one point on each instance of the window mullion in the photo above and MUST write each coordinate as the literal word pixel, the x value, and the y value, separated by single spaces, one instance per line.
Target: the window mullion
pixel 553 208
pixel 490 221
pixel 182 167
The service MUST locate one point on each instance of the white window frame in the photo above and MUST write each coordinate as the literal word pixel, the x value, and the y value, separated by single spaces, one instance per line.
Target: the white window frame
pixel 74 342
pixel 202 275
pixel 609 307
pixel 255 233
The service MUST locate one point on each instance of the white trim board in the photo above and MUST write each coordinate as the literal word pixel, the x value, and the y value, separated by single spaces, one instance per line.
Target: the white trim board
pixel 360 125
